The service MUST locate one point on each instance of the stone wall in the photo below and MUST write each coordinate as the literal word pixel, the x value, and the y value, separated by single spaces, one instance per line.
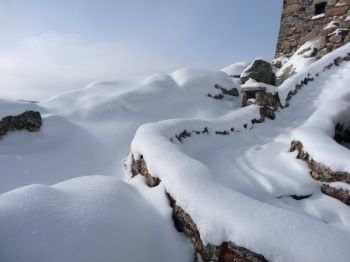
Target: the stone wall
pixel 299 24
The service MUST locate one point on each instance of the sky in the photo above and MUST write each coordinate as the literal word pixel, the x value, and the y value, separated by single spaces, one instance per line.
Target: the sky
pixel 49 46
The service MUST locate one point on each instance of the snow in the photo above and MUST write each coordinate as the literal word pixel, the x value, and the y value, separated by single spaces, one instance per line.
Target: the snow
pixel 236 69
pixel 91 218
pixel 318 16
pixel 338 31
pixel 330 25
pixel 340 185
pixel 282 59
pixel 202 80
pixel 134 99
pixel 65 195
pixel 8 107
pixel 309 71
pixel 192 182
pixel 299 60
pixel 317 132
pixel 255 84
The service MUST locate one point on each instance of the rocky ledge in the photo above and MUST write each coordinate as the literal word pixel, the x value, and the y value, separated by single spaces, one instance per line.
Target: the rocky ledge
pixel 338 193
pixel 319 171
pixel 29 120
pixel 323 173
pixel 226 252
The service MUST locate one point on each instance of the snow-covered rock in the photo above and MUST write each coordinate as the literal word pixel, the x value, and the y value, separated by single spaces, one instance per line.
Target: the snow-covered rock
pixel 260 70
pixel 303 57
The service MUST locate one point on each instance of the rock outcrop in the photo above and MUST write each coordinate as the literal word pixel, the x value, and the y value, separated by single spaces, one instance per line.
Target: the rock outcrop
pixel 259 70
pixel 222 92
pixel 29 120
pixel 338 193
pixel 318 171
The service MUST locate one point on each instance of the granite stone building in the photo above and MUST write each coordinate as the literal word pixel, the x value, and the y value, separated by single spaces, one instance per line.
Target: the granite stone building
pixel 322 20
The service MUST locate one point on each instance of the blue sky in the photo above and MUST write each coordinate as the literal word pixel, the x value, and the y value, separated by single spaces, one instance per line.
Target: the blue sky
pixel 87 40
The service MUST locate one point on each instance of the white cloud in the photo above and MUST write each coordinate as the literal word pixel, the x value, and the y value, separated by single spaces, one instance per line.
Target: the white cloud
pixel 42 66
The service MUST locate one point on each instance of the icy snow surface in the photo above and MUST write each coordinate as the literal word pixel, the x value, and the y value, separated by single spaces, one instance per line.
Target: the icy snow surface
pixel 65 195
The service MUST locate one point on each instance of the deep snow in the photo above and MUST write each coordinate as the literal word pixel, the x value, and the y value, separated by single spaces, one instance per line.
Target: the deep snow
pixel 236 187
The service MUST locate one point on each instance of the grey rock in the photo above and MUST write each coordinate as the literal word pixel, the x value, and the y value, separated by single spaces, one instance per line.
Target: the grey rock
pixel 260 70
pixel 29 120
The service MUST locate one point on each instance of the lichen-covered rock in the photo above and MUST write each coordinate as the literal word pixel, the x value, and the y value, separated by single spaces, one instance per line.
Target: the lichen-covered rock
pixel 259 70
pixel 29 120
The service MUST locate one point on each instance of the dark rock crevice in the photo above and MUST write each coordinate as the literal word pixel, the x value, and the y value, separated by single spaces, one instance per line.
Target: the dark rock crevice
pixel 342 135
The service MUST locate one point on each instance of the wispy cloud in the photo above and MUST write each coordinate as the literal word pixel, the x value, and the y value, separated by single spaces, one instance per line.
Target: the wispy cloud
pixel 43 65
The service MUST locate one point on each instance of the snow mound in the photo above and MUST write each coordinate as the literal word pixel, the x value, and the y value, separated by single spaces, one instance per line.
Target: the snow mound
pixel 8 107
pixel 60 150
pixel 147 99
pixel 85 219
pixel 236 69
pixel 203 80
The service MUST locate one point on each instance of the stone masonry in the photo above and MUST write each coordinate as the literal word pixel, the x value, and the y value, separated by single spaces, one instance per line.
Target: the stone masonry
pixel 304 20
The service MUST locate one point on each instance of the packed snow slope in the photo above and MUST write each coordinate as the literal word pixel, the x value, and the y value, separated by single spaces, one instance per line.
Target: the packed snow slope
pixel 65 195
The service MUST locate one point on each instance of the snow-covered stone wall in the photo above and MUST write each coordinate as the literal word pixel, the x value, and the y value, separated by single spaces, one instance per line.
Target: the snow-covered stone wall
pixel 304 20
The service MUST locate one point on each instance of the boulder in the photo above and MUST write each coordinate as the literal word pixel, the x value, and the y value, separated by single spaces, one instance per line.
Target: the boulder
pixel 260 70
pixel 29 120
